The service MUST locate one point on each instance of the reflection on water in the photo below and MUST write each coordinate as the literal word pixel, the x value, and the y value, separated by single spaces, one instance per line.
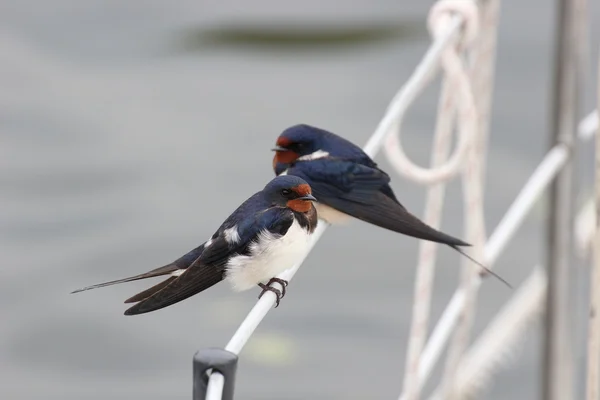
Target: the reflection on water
pixel 295 37
pixel 117 158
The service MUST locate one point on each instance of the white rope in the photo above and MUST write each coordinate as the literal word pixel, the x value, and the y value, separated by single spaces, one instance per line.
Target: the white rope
pixel 441 20
pixel 455 81
pixel 505 230
pixel 497 345
pixel 473 180
pixel 427 250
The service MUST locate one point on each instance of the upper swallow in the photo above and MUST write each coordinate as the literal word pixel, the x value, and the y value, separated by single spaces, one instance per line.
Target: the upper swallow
pixel 348 183
pixel 263 237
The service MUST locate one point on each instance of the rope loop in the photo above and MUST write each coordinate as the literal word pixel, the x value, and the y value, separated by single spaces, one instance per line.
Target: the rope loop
pixel 441 13
pixel 440 16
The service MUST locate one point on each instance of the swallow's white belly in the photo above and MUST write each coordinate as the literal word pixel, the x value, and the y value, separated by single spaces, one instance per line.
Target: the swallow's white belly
pixel 331 215
pixel 268 257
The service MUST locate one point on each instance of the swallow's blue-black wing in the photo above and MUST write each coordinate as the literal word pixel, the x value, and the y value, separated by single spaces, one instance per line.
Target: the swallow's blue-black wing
pixel 332 178
pixel 363 192
pixel 209 268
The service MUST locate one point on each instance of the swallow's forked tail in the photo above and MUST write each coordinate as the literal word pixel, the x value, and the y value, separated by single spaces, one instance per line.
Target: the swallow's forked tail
pixel 197 278
pixel 175 268
pixel 486 269
pixel 165 270
pixel 388 213
pixel 150 291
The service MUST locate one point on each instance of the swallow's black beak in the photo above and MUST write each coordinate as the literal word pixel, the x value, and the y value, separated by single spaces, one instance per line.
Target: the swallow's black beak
pixel 279 148
pixel 308 197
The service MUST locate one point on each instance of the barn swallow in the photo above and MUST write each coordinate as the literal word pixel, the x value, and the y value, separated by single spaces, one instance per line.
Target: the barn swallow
pixel 266 235
pixel 348 183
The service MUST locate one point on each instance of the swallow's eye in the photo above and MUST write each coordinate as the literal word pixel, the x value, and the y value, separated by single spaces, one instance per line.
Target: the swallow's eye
pixel 286 192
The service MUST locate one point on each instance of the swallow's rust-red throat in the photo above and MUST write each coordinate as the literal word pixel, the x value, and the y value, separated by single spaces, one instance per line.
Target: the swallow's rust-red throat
pixel 284 156
pixel 300 205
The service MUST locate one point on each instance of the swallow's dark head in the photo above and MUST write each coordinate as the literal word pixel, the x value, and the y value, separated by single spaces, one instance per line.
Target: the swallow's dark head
pixel 290 191
pixel 301 142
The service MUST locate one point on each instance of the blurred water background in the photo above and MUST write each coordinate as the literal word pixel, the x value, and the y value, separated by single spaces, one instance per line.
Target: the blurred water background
pixel 130 130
